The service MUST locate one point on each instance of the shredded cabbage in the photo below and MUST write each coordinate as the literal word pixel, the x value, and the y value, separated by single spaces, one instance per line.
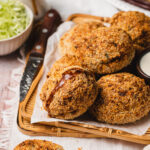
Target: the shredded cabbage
pixel 13 18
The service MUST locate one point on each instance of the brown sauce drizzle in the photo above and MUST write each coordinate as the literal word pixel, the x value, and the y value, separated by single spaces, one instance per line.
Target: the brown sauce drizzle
pixel 65 76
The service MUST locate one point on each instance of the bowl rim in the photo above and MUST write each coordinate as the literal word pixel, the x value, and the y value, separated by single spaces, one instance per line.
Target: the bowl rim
pixel 139 66
pixel 30 14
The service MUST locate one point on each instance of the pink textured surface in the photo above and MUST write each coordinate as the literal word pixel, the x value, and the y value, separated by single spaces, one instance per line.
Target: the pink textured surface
pixel 7 64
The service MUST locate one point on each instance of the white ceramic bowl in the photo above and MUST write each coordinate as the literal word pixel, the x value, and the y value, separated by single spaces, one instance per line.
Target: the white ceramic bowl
pixel 8 46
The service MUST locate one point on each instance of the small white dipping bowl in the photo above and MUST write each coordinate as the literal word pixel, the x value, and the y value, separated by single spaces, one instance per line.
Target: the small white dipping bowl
pixel 8 46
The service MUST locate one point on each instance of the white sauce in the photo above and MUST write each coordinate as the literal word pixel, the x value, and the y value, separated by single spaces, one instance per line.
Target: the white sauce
pixel 145 63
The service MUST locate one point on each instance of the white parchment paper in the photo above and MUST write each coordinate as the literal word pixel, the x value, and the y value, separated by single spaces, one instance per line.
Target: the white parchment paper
pixel 52 54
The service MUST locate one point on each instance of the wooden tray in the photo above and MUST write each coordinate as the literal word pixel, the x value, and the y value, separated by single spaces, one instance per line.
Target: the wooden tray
pixel 78 18
pixel 69 129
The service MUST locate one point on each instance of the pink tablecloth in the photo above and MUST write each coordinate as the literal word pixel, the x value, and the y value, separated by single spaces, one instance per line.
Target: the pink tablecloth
pixel 7 65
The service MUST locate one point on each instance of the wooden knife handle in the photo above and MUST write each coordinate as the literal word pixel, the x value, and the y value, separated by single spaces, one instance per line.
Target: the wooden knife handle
pixel 50 23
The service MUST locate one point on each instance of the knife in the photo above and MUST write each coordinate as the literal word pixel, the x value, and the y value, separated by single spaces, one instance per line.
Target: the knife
pixel 49 25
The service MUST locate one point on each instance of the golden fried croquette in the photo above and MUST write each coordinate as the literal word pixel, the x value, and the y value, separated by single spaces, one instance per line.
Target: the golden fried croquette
pixel 137 25
pixel 68 91
pixel 102 50
pixel 38 145
pixel 123 98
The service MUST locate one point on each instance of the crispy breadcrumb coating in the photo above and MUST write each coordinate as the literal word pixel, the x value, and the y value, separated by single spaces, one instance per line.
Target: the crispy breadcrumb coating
pixel 137 25
pixel 38 145
pixel 102 50
pixel 68 91
pixel 123 98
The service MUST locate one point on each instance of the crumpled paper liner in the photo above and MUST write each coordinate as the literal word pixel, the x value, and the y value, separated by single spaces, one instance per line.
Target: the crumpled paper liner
pixel 39 115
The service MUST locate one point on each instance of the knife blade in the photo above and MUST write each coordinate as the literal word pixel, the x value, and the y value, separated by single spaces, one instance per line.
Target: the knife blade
pixel 49 25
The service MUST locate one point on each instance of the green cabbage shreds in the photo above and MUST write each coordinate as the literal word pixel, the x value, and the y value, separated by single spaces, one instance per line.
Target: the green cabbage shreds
pixel 13 18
